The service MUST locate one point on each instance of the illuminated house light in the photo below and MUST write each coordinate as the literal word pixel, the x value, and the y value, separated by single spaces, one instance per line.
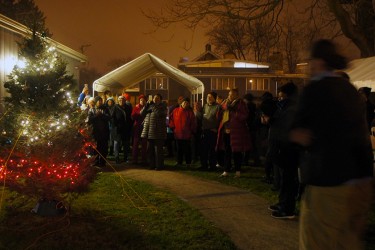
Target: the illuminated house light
pixel 248 65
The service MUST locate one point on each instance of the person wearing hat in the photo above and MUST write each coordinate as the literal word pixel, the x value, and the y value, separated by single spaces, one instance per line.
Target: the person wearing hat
pixel 210 124
pixel 365 94
pixel 137 130
pixel 184 125
pixel 98 118
pixel 337 158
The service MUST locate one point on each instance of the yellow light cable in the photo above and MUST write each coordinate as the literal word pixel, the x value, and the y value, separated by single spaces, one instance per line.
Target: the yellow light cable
pixel 147 206
pixel 5 168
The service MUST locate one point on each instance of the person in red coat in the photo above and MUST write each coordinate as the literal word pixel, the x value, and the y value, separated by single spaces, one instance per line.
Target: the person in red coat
pixel 233 134
pixel 137 130
pixel 184 125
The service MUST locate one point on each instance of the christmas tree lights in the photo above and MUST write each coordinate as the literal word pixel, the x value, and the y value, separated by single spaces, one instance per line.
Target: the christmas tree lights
pixel 44 147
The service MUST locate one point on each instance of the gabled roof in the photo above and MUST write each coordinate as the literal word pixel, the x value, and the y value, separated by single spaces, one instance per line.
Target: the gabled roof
pixel 207 56
pixel 142 68
pixel 18 28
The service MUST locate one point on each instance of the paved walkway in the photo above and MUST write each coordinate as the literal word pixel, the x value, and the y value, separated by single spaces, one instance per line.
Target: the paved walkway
pixel 240 214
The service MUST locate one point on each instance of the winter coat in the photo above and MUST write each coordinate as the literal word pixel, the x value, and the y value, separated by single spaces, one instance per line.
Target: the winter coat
pixel 239 133
pixel 280 151
pixel 99 118
pixel 340 149
pixel 154 126
pixel 120 127
pixel 209 116
pixel 183 123
pixel 137 120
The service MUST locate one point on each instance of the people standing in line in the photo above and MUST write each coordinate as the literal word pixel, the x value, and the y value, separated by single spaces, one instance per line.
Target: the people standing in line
pixel 233 135
pixel 184 125
pixel 98 118
pixel 155 131
pixel 111 105
pixel 283 154
pixel 120 128
pixel 369 106
pixel 137 131
pixel 337 163
pixel 209 115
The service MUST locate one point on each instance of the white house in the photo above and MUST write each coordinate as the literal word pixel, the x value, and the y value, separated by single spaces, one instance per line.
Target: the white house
pixel 12 32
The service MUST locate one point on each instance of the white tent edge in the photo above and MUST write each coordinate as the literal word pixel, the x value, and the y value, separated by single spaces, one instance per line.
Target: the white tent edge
pixel 142 68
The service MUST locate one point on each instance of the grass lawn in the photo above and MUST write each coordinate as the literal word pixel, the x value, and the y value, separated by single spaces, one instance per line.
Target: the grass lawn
pixel 116 213
pixel 251 180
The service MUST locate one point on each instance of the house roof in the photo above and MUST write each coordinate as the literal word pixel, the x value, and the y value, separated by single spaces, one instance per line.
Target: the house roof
pixel 18 28
pixel 142 68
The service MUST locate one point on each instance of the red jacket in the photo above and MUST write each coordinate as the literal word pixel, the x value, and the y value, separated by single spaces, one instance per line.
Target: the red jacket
pixel 183 123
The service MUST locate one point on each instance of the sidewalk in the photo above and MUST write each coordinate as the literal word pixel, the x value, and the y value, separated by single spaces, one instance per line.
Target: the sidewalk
pixel 240 214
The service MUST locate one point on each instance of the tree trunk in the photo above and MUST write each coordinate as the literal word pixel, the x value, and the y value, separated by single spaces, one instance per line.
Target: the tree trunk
pixel 352 31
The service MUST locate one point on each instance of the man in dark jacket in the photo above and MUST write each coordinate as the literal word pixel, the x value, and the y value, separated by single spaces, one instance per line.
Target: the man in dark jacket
pixel 98 118
pixel 336 166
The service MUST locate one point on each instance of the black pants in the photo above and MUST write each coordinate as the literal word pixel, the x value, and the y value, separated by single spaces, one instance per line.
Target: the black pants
pixel 237 156
pixel 289 189
pixel 155 153
pixel 102 148
pixel 208 154
pixel 183 150
pixel 170 144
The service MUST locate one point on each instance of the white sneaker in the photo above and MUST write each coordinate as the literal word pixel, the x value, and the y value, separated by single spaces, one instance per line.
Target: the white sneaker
pixel 224 174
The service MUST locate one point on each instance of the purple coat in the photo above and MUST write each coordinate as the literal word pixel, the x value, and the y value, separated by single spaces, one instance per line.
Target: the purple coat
pixel 239 132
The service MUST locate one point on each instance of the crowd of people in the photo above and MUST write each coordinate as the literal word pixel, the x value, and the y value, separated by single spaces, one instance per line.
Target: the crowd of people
pixel 318 144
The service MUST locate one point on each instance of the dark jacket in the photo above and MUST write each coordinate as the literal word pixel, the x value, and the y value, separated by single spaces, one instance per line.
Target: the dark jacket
pixel 341 150
pixel 99 119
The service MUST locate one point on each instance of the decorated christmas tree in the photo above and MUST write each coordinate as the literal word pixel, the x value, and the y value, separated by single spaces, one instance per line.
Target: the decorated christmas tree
pixel 43 145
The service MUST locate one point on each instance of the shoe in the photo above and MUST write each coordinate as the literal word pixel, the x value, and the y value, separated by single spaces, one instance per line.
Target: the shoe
pixel 224 174
pixel 283 215
pixel 274 208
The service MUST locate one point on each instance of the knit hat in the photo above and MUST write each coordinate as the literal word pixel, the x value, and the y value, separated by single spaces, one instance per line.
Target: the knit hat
pixel 214 94
pixel 141 96
pixel 97 98
pixel 365 90
pixel 288 88
pixel 127 96
pixel 110 99
pixel 324 49
pixel 91 99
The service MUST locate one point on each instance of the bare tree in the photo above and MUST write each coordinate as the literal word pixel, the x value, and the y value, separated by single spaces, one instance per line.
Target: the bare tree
pixel 231 36
pixel 352 18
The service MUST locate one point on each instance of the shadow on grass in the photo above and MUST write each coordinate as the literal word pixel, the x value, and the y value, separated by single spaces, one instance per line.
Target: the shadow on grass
pixel 88 230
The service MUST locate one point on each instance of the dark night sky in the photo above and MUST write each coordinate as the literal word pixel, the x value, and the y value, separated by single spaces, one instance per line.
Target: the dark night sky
pixel 116 29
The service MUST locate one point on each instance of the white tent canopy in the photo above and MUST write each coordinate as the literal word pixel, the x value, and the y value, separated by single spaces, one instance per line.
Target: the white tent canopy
pixel 142 68
pixel 362 73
